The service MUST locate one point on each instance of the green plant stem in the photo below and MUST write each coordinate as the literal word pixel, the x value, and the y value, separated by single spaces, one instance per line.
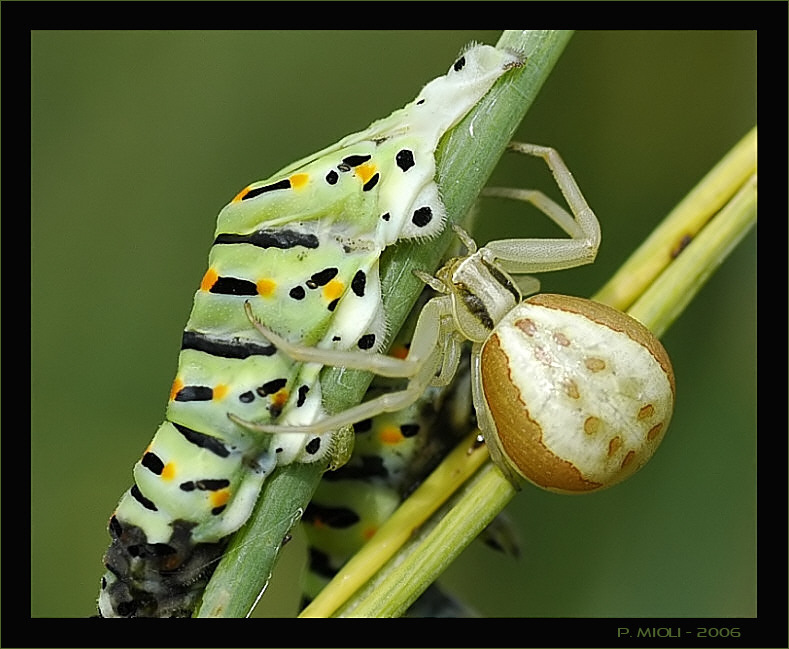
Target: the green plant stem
pixel 657 304
pixel 465 160
pixel 481 499
pixel 460 465
pixel 237 585
pixel 665 300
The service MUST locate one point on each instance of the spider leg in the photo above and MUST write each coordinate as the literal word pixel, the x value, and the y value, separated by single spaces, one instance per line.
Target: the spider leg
pixel 432 359
pixel 540 255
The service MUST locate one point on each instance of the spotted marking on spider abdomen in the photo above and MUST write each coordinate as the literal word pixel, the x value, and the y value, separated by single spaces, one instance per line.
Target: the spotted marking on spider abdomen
pixel 592 425
pixel 655 431
pixel 645 412
pixel 594 364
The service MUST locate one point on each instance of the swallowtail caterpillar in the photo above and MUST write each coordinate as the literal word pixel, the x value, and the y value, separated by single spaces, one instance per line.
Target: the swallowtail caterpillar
pixel 569 394
pixel 301 251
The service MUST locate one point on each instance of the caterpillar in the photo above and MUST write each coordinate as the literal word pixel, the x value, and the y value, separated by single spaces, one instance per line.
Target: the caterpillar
pixel 303 248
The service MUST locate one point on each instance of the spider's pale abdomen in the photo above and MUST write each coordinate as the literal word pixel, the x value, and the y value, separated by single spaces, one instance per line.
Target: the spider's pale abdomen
pixel 580 393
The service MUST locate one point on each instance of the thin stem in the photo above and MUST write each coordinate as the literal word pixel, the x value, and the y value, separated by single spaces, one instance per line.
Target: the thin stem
pixel 684 222
pixel 480 500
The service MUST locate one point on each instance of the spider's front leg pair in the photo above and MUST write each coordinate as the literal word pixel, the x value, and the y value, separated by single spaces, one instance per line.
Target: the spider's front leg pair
pixel 477 292
pixel 519 256
pixel 432 359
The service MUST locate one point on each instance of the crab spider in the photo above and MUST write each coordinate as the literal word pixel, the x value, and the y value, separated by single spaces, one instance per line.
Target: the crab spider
pixel 570 394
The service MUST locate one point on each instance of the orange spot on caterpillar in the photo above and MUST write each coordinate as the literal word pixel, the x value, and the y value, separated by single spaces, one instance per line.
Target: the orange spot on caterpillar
pixel 391 435
pixel 297 181
pixel 280 398
pixel 219 498
pixel 240 196
pixel 266 287
pixel 333 290
pixel 177 385
pixel 220 391
pixel 366 171
pixel 369 532
pixel 168 472
pixel 209 279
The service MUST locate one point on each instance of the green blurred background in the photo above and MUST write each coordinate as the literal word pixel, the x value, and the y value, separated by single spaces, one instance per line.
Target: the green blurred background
pixel 140 138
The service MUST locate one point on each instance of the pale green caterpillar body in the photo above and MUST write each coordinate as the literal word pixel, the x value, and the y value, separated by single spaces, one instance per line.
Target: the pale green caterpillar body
pixel 303 248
